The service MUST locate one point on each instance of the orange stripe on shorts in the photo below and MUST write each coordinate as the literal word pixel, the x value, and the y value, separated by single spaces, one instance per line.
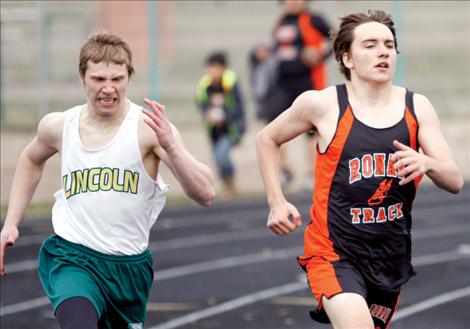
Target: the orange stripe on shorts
pixel 322 278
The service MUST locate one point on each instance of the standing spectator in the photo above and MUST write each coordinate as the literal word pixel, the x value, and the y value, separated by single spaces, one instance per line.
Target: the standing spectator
pixel 263 79
pixel 301 46
pixel 220 100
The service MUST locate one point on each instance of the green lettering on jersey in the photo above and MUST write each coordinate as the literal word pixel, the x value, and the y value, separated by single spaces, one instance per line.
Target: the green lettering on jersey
pixel 131 181
pixel 64 184
pixel 92 186
pixel 106 181
pixel 116 186
pixel 82 179
pixel 100 179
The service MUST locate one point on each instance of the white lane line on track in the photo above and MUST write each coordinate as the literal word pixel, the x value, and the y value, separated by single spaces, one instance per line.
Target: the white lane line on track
pixel 30 265
pixel 433 232
pixel 209 218
pixel 442 257
pixel 245 215
pixel 232 305
pixel 169 223
pixel 206 239
pixel 464 249
pixel 301 285
pixel 226 263
pixel 179 243
pixel 23 266
pixel 431 302
pixel 178 272
pixel 236 261
pixel 201 219
pixel 24 306
pixel 431 212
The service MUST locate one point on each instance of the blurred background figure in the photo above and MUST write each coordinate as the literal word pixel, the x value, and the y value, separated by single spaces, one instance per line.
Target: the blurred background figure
pixel 300 48
pixel 220 100
pixel 263 78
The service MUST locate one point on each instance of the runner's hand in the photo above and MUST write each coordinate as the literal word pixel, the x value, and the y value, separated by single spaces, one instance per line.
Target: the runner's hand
pixel 409 164
pixel 8 237
pixel 284 219
pixel 158 121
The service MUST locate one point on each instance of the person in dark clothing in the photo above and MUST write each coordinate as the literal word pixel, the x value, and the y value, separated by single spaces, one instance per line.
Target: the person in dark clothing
pixel 220 100
pixel 376 141
pixel 301 47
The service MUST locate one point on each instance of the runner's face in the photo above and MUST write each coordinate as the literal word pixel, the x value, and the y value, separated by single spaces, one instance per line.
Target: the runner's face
pixel 106 87
pixel 372 55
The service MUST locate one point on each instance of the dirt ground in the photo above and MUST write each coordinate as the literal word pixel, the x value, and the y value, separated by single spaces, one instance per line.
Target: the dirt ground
pixel 249 182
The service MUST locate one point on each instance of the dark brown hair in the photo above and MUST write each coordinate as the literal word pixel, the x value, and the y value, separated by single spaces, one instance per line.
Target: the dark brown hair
pixel 217 57
pixel 107 47
pixel 343 38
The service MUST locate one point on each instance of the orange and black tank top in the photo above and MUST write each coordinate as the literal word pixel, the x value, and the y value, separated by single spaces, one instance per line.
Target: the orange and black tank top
pixel 360 213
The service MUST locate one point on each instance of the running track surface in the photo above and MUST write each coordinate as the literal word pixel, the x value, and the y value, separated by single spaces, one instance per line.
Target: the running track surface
pixel 222 268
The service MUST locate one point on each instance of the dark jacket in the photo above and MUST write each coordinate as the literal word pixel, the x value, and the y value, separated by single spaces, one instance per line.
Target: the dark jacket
pixel 234 125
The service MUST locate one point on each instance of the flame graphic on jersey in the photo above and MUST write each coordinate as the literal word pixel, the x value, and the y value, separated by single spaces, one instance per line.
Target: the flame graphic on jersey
pixel 381 192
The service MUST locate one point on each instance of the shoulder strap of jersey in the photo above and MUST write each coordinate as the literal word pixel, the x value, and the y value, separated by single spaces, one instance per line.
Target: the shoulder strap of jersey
pixel 343 101
pixel 409 102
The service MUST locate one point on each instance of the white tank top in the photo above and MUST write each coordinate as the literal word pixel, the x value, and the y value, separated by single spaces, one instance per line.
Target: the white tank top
pixel 108 202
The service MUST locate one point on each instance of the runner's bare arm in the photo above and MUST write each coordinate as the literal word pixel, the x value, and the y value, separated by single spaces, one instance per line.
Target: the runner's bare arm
pixel 436 162
pixel 195 178
pixel 27 175
pixel 299 118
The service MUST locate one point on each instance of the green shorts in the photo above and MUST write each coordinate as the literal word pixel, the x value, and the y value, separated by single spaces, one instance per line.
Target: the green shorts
pixel 117 286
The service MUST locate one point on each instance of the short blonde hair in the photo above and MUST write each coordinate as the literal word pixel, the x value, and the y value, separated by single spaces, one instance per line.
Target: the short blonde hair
pixel 108 47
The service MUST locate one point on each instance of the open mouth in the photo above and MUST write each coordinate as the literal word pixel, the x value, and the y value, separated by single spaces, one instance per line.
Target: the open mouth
pixel 107 101
pixel 383 65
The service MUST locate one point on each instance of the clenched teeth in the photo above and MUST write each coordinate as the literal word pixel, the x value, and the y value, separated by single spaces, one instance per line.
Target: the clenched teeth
pixel 106 100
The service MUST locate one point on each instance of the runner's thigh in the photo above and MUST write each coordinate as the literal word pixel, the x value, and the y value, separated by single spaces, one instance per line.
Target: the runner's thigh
pixel 348 311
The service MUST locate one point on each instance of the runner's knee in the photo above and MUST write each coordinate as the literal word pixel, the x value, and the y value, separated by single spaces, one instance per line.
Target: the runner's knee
pixel 77 313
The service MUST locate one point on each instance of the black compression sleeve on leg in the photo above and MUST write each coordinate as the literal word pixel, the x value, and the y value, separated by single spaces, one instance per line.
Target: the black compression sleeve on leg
pixel 77 313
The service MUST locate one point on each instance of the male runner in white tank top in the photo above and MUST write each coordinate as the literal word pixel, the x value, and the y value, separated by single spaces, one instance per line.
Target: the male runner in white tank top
pixel 112 194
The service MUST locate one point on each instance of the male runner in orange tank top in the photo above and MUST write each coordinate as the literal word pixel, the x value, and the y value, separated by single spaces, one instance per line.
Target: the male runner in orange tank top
pixel 357 251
